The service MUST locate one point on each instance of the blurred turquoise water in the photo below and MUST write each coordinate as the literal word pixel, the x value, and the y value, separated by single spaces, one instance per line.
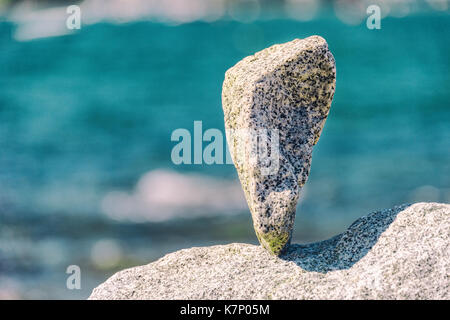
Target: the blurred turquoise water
pixel 85 114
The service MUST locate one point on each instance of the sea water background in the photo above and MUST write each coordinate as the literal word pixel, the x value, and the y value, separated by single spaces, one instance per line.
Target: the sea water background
pixel 86 176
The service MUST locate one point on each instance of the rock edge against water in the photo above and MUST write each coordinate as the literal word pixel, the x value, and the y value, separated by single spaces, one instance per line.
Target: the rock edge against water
pixel 399 253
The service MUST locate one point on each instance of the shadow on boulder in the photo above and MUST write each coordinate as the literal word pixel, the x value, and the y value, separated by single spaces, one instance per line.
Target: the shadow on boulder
pixel 344 250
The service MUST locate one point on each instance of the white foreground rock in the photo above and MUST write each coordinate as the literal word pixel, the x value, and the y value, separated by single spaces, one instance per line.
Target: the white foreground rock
pixel 399 253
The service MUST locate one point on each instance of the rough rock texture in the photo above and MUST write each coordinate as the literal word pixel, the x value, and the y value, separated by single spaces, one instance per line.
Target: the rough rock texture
pixel 285 90
pixel 400 253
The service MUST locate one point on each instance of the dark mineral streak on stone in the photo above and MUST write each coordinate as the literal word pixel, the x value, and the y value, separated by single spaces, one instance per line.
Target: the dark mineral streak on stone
pixel 288 87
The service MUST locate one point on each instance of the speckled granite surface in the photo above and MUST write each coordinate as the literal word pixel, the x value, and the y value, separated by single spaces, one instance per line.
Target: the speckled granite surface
pixel 399 253
pixel 286 90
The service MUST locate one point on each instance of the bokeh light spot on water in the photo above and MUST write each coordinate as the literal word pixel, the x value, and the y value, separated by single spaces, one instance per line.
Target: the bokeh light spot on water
pixel 106 253
pixel 303 10
pixel 426 194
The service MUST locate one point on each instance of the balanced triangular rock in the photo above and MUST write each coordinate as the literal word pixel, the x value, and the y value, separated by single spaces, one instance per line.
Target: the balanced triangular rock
pixel 275 104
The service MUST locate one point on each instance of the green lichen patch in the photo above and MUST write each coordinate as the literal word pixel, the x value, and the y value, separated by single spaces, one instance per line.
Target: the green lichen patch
pixel 274 241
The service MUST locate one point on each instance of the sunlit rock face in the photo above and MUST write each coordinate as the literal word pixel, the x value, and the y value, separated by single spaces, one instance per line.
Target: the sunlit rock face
pixel 398 253
pixel 275 104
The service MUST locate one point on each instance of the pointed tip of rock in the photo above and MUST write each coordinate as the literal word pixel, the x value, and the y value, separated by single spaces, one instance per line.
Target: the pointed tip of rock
pixel 275 242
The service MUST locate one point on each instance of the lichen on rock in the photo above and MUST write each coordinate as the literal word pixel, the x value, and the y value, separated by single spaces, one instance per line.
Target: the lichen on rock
pixel 278 97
